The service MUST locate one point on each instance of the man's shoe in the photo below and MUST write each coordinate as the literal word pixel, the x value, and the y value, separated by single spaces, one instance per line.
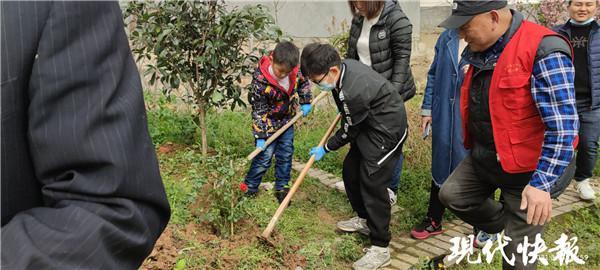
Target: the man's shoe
pixel 393 197
pixel 281 194
pixel 376 257
pixel 426 229
pixel 481 238
pixel 585 190
pixel 355 224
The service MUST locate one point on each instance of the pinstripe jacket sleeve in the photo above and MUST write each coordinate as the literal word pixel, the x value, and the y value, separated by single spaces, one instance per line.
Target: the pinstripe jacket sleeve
pixel 81 187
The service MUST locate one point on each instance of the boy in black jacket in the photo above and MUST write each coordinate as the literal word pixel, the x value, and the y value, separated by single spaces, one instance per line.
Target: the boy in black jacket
pixel 374 123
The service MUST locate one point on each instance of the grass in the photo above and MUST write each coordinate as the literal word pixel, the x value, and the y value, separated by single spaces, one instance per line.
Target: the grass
pixel 306 233
pixel 182 179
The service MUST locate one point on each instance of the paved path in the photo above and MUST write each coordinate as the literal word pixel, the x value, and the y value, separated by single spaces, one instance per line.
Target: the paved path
pixel 408 251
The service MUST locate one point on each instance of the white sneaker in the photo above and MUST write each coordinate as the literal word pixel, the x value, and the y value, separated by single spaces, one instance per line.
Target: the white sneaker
pixel 393 197
pixel 355 224
pixel 375 258
pixel 482 238
pixel 585 190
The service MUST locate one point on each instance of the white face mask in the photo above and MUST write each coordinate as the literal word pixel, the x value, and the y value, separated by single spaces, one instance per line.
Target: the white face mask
pixel 574 22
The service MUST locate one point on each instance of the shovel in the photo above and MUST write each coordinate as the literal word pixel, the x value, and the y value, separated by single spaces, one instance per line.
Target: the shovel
pixel 284 128
pixel 267 232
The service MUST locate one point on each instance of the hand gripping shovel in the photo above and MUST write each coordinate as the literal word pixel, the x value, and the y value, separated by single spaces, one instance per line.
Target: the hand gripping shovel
pixel 267 232
pixel 284 128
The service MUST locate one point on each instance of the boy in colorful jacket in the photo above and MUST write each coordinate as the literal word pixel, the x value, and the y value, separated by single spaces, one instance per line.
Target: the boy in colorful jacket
pixel 277 89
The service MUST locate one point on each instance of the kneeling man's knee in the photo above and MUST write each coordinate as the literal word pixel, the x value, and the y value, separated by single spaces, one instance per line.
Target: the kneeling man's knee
pixel 447 194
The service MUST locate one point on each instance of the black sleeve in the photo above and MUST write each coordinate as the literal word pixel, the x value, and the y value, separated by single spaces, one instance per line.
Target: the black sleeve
pixel 104 201
pixel 401 42
pixel 342 136
pixel 353 36
pixel 355 112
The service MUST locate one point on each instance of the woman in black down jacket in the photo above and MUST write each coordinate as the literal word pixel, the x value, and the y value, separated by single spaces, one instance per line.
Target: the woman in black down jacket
pixel 380 37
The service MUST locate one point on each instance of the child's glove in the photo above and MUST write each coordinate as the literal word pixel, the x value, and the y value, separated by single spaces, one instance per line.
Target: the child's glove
pixel 305 109
pixel 260 143
pixel 319 152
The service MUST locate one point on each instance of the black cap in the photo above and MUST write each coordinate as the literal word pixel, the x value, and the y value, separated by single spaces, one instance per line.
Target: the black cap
pixel 464 10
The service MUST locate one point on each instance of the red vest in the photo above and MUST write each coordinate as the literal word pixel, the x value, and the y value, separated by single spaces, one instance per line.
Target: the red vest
pixel 516 123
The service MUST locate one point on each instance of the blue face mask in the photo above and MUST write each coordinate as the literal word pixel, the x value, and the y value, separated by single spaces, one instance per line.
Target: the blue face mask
pixel 326 86
pixel 574 22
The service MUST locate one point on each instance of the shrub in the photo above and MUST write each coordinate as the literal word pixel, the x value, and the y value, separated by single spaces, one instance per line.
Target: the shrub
pixel 222 201
pixel 168 124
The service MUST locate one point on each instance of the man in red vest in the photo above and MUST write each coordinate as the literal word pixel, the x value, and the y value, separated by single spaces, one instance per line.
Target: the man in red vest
pixel 519 120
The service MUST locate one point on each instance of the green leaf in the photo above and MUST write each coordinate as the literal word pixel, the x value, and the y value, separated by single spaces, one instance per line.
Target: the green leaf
pixel 216 97
pixel 169 33
pixel 180 265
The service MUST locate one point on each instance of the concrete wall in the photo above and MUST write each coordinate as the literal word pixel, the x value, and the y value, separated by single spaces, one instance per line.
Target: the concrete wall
pixel 431 17
pixel 311 19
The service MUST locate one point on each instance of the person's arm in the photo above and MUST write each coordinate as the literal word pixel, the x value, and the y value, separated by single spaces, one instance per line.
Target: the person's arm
pixel 427 104
pixel 554 95
pixel 401 45
pixel 351 52
pixel 342 136
pixel 104 201
pixel 304 89
pixel 260 110
pixel 356 111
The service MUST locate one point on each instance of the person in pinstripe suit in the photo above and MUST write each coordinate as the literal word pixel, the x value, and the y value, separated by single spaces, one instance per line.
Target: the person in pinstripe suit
pixel 81 187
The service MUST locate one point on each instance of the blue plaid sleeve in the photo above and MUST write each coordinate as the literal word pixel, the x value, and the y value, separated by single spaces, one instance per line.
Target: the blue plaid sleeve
pixel 553 92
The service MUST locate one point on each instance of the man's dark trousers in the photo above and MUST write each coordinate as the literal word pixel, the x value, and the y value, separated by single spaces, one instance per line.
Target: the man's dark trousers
pixel 467 194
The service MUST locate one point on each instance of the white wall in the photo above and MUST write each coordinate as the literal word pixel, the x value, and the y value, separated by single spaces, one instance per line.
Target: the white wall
pixel 321 19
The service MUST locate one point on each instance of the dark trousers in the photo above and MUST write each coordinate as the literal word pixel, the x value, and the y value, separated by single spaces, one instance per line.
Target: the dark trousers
pixel 368 193
pixel 436 208
pixel 395 180
pixel 587 150
pixel 467 194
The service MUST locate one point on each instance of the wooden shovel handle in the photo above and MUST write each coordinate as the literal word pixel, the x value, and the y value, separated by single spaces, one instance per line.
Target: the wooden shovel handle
pixel 267 232
pixel 284 128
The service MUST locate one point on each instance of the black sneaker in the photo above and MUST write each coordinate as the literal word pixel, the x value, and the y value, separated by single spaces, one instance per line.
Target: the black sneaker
pixel 280 195
pixel 426 229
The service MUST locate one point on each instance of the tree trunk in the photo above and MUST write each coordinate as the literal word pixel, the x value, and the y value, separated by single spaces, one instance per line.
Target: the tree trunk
pixel 202 119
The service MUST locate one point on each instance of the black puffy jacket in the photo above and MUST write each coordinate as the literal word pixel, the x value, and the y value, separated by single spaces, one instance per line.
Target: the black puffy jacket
pixel 390 45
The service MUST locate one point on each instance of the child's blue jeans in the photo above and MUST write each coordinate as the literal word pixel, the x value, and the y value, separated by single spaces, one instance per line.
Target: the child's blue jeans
pixel 283 149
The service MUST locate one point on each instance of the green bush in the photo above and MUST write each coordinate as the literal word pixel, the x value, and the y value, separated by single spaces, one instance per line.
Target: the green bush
pixel 168 124
pixel 340 42
pixel 224 204
pixel 230 133
pixel 183 177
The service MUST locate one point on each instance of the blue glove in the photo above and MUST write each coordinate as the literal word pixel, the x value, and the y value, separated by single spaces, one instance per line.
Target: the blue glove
pixel 305 109
pixel 260 143
pixel 319 152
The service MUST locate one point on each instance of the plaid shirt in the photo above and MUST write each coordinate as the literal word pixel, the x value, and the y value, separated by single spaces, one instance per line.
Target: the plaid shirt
pixel 553 92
